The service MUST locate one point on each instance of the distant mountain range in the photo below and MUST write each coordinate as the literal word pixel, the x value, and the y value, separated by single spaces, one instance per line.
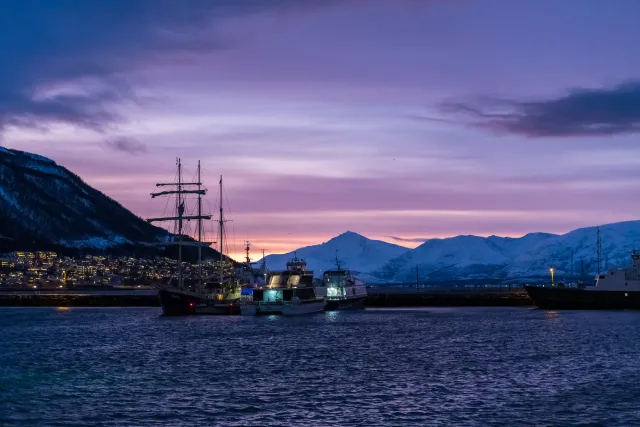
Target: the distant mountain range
pixel 44 206
pixel 473 257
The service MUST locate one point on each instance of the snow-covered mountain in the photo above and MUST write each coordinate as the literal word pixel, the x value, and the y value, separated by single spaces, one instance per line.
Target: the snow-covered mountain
pixel 354 251
pixel 472 257
pixel 618 241
pixel 44 206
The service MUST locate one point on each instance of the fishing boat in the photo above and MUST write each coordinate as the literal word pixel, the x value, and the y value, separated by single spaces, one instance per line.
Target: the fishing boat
pixel 289 292
pixel 341 289
pixel 215 293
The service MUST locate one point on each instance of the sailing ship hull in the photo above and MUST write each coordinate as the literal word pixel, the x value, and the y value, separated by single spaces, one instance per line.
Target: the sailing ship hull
pixel 346 304
pixel 557 298
pixel 176 303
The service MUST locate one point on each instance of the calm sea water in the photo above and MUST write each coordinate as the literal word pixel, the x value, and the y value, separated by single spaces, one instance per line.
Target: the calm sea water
pixel 459 366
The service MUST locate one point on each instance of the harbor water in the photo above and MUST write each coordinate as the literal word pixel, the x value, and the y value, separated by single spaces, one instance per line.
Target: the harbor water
pixel 426 366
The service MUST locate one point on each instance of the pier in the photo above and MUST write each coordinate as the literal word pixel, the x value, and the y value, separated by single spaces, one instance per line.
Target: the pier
pixel 379 297
pixel 447 297
pixel 79 298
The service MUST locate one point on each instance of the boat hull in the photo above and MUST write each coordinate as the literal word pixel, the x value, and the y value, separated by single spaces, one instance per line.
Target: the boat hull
pixel 176 303
pixel 555 298
pixel 304 308
pixel 285 309
pixel 248 310
pixel 345 304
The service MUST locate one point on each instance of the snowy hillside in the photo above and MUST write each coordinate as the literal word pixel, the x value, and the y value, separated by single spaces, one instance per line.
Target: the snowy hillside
pixel 443 257
pixel 618 240
pixel 43 205
pixel 355 252
pixel 472 257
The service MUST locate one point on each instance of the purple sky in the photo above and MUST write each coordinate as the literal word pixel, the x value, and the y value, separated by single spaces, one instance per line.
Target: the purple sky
pixel 396 119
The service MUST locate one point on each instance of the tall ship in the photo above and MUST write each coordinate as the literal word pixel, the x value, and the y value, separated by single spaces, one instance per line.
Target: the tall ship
pixel 289 292
pixel 341 289
pixel 615 289
pixel 211 289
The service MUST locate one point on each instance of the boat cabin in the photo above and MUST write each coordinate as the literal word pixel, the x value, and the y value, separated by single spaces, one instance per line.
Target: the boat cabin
pixel 622 279
pixel 295 276
pixel 279 295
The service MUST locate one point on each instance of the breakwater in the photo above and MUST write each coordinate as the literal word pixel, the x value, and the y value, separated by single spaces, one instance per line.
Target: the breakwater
pixel 79 299
pixel 378 297
pixel 443 297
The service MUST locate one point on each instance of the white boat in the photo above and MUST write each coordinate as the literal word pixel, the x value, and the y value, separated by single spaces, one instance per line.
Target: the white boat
pixel 298 306
pixel 341 289
pixel 289 292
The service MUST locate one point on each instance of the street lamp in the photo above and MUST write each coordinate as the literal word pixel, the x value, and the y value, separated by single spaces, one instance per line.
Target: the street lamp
pixel 551 270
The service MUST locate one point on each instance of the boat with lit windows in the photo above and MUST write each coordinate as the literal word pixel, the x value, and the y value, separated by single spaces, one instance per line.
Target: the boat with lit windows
pixel 289 293
pixel 214 288
pixel 615 289
pixel 341 289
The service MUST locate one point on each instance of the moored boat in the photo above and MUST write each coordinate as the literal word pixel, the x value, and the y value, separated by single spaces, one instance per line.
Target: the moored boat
pixel 613 290
pixel 217 293
pixel 289 292
pixel 341 289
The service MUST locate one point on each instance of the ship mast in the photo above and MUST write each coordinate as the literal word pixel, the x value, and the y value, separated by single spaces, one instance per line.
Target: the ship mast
pixel 180 210
pixel 264 266
pixel 221 230
pixel 180 217
pixel 246 248
pixel 200 287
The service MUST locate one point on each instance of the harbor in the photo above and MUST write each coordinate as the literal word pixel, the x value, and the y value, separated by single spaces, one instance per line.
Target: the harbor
pixel 378 297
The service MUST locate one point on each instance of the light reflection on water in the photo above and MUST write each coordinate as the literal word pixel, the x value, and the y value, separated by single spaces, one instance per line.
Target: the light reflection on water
pixel 453 366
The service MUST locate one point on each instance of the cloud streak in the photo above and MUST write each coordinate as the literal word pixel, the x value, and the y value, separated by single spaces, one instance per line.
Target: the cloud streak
pixel 408 240
pixel 63 42
pixel 580 112
pixel 126 145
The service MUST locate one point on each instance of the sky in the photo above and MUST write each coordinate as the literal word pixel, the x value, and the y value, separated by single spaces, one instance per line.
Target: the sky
pixel 401 120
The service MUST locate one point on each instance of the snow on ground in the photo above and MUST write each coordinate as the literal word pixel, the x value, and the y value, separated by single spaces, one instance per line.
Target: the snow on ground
pixel 95 242
pixel 354 251
pixel 470 257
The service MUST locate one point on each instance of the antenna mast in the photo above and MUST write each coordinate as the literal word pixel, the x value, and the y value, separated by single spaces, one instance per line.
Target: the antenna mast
pixel 572 263
pixel 599 248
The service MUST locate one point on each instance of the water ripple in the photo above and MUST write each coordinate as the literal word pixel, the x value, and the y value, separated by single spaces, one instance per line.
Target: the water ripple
pixel 463 367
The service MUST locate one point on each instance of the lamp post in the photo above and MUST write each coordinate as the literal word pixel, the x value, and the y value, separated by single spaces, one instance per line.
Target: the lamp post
pixel 551 270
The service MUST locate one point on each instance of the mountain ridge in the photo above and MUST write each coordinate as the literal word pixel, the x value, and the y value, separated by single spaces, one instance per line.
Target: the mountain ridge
pixel 354 251
pixel 477 257
pixel 44 206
